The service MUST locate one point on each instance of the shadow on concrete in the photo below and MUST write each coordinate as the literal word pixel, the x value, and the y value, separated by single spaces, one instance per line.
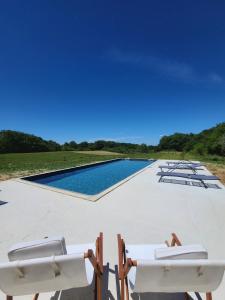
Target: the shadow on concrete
pixel 117 281
pixel 108 295
pixel 74 294
pixel 85 293
pixel 159 296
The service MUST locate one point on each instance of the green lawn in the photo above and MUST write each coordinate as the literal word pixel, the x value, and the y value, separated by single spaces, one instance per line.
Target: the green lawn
pixel 180 156
pixel 20 164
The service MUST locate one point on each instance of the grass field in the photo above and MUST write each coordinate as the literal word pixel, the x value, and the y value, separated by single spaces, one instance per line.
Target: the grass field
pixel 21 164
pixel 99 152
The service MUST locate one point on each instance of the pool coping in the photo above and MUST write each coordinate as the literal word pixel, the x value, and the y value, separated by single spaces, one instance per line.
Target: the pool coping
pixel 92 198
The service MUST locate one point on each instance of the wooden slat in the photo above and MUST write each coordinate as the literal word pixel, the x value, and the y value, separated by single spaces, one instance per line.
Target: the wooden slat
pixel 120 255
pixel 101 252
pixel 36 297
pixel 175 240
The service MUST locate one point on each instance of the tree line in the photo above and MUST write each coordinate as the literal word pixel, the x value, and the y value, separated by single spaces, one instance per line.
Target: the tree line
pixel 19 142
pixel 210 141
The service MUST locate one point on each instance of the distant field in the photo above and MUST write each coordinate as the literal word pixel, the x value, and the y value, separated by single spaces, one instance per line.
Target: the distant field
pixel 180 156
pixel 20 164
pixel 99 152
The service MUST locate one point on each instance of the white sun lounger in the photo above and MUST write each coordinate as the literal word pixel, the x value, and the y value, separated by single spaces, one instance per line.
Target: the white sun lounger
pixel 162 269
pixel 82 266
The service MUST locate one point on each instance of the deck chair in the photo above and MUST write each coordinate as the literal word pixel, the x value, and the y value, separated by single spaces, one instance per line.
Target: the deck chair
pixel 180 167
pixel 199 177
pixel 180 162
pixel 162 269
pixel 82 266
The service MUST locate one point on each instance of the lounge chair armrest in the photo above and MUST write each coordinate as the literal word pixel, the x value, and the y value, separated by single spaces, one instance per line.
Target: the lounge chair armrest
pixel 90 255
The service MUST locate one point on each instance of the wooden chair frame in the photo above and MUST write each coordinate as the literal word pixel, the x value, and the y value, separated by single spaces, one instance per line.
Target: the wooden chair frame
pixel 125 264
pixel 97 263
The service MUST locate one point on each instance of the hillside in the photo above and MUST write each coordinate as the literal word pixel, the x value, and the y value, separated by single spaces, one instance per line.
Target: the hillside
pixel 20 142
pixel 210 141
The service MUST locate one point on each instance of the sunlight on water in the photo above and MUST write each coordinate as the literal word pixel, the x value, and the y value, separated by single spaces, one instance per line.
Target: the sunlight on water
pixel 94 179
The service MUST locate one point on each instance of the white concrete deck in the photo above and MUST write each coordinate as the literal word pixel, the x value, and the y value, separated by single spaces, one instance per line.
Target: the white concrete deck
pixel 142 210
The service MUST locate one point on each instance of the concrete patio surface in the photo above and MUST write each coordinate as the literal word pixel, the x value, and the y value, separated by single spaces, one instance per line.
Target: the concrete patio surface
pixel 142 210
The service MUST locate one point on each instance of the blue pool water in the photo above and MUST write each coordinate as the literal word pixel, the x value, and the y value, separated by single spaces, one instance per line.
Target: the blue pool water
pixel 93 179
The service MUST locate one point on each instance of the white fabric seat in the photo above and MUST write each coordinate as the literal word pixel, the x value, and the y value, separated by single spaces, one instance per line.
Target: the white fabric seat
pixel 137 252
pixel 161 252
pixel 43 274
pixel 76 249
pixel 46 265
pixel 49 247
pixel 174 276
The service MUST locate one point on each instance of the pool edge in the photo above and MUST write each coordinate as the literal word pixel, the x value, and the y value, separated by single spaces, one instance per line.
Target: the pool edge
pixel 92 198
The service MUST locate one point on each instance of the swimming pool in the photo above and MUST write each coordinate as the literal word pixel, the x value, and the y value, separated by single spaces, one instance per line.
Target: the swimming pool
pixel 91 179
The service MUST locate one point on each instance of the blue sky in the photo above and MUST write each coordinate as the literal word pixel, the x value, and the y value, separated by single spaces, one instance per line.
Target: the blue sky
pixel 128 71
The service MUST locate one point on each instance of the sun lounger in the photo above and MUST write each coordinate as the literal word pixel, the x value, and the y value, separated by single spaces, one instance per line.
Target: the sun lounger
pixel 81 266
pixel 190 163
pixel 189 176
pixel 180 167
pixel 162 269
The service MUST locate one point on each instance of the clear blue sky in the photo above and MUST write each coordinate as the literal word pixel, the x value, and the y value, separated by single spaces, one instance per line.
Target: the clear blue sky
pixel 121 70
